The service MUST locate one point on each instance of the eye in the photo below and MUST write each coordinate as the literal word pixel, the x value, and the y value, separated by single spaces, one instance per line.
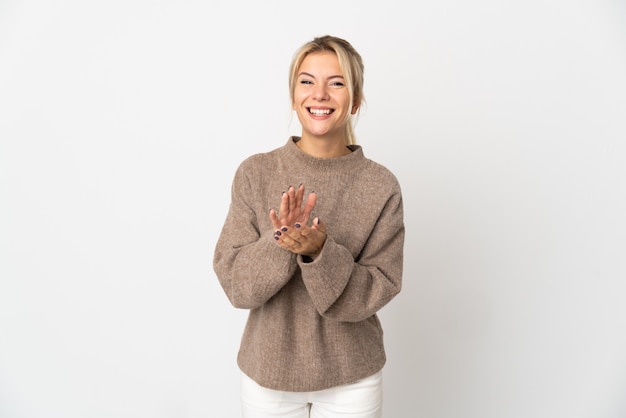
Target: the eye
pixel 306 82
pixel 337 84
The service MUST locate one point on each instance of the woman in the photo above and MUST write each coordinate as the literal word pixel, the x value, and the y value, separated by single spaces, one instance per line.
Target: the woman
pixel 314 271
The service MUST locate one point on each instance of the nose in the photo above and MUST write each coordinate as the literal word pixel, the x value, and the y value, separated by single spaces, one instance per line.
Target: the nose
pixel 320 92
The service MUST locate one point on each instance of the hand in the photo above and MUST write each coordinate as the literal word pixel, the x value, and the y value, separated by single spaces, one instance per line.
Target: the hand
pixel 302 239
pixel 290 224
pixel 291 211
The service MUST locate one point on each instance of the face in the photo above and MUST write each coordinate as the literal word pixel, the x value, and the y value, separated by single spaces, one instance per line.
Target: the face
pixel 321 97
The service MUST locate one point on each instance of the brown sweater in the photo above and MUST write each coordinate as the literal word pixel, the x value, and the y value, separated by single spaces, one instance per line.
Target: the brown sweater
pixel 312 325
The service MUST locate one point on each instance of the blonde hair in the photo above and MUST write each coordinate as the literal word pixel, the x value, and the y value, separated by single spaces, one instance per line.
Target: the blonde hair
pixel 350 63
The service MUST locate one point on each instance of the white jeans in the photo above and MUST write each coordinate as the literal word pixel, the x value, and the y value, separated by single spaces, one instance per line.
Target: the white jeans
pixel 363 399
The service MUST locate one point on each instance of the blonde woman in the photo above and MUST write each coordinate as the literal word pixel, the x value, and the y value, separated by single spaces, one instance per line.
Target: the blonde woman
pixel 314 267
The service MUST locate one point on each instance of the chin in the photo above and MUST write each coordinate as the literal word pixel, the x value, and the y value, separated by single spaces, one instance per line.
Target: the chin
pixel 318 134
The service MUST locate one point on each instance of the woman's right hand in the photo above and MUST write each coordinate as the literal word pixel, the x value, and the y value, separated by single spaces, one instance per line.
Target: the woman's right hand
pixel 291 210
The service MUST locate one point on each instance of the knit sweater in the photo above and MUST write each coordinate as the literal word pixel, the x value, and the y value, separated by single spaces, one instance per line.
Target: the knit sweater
pixel 312 325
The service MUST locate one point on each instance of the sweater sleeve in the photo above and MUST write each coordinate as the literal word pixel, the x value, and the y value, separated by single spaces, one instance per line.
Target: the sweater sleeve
pixel 350 290
pixel 249 265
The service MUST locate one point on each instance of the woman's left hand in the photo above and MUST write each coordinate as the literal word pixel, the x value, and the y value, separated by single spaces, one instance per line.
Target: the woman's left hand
pixel 302 239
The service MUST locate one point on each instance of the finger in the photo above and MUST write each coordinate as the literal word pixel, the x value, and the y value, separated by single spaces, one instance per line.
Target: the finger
pixel 274 219
pixel 309 205
pixel 291 194
pixel 280 233
pixel 290 235
pixel 299 195
pixel 283 211
pixel 288 238
pixel 319 225
pixel 302 229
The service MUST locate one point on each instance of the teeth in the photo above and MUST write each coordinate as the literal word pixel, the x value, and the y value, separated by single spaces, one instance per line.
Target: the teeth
pixel 320 112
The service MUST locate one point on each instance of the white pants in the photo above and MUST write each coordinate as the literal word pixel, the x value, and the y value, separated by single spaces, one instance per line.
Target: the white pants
pixel 363 399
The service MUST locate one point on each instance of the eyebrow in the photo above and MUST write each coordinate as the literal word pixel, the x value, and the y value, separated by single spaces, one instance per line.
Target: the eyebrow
pixel 312 76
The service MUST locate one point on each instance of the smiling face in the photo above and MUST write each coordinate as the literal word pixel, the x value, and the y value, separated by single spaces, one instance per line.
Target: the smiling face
pixel 321 98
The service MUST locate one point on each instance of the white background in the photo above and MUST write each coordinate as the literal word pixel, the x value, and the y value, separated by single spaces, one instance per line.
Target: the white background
pixel 122 123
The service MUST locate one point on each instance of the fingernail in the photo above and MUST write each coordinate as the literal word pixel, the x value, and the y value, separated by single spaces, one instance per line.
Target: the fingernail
pixel 318 221
pixel 297 225
pixel 299 185
pixel 277 233
pixel 275 237
pixel 284 229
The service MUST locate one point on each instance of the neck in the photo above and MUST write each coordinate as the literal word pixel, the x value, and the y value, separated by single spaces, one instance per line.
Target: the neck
pixel 323 147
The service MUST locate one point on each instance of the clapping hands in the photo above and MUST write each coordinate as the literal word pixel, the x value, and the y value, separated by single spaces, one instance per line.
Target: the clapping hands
pixel 290 223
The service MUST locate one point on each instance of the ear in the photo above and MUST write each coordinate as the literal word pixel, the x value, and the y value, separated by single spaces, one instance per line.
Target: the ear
pixel 355 105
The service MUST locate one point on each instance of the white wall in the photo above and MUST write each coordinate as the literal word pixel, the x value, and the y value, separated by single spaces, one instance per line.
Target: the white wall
pixel 121 125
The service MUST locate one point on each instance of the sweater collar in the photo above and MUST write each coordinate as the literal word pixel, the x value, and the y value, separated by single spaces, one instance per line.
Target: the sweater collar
pixel 349 161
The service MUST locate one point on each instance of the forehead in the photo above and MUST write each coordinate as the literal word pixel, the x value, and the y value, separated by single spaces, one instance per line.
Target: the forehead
pixel 324 62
